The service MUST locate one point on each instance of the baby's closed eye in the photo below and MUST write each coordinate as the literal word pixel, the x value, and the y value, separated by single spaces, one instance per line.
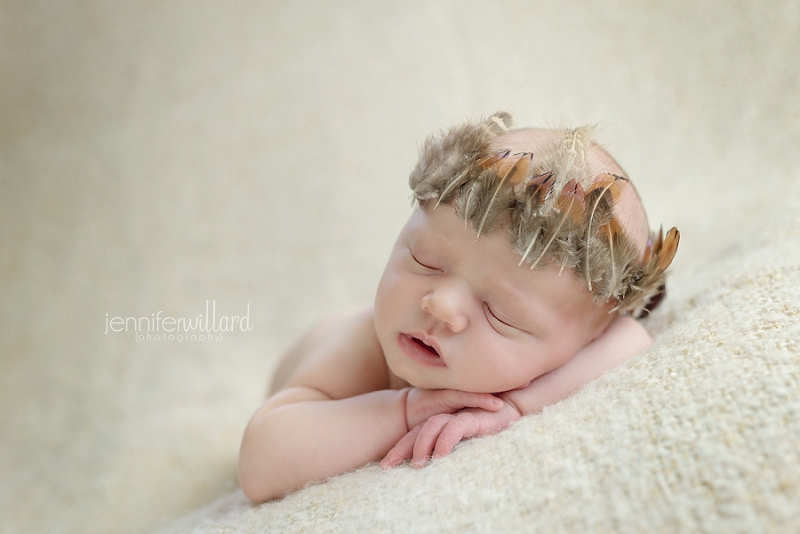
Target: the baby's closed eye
pixel 495 319
pixel 427 264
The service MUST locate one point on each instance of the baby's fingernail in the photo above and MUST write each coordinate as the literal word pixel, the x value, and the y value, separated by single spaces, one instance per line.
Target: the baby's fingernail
pixel 497 402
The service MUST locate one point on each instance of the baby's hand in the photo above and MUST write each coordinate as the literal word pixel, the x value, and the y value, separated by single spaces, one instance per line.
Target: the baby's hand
pixel 421 404
pixel 438 435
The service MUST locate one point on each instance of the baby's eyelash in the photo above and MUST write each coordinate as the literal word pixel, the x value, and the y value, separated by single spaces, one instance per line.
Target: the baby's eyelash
pixel 420 263
pixel 489 309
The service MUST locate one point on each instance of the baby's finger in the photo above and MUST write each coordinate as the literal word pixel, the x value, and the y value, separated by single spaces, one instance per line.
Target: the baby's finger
pixel 454 400
pixel 402 450
pixel 421 404
pixel 426 439
pixel 464 425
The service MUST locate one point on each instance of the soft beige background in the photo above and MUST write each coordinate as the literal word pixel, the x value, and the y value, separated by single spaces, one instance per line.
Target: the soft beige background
pixel 157 155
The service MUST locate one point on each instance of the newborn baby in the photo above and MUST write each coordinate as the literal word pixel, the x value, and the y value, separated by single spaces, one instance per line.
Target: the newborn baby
pixel 513 284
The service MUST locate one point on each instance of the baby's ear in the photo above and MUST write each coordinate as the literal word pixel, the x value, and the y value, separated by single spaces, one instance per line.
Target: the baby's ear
pixel 654 301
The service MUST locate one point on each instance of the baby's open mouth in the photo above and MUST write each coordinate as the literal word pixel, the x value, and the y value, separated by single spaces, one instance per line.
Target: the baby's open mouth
pixel 419 351
pixel 426 347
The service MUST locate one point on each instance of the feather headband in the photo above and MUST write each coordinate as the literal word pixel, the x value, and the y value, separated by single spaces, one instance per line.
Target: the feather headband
pixel 555 210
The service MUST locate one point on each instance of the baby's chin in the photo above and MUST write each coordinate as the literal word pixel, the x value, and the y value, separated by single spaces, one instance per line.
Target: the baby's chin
pixel 415 378
pixel 405 379
pixel 428 382
pixel 409 375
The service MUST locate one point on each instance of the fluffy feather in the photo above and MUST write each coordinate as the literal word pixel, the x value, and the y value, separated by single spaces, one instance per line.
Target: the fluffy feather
pixel 570 207
pixel 515 174
pixel 668 249
pixel 601 197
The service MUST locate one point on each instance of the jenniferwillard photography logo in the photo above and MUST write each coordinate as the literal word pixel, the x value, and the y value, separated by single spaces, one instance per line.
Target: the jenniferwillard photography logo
pixel 199 328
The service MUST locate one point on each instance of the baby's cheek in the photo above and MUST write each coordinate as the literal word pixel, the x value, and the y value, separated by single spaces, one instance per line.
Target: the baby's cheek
pixel 531 359
pixel 386 307
pixel 384 295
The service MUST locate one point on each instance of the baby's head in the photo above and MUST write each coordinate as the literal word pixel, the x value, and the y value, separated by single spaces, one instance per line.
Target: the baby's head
pixel 558 244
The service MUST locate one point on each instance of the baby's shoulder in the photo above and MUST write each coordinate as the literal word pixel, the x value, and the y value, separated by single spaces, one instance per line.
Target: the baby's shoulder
pixel 341 356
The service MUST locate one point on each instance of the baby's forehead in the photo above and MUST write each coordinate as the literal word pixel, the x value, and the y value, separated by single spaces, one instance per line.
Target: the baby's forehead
pixel 491 261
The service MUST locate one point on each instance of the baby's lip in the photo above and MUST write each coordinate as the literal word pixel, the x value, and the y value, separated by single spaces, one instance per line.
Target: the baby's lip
pixel 428 340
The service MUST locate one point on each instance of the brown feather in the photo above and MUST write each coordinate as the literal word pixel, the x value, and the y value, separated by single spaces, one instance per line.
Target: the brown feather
pixel 539 186
pixel 668 249
pixel 528 249
pixel 459 180
pixel 603 189
pixel 522 165
pixel 648 251
pixel 612 229
pixel 570 207
pixel 571 201
pixel 521 169
pixel 492 159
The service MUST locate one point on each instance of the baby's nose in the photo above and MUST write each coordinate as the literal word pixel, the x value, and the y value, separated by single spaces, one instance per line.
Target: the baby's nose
pixel 444 306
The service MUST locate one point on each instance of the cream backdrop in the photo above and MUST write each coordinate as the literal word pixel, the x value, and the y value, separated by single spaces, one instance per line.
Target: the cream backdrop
pixel 158 155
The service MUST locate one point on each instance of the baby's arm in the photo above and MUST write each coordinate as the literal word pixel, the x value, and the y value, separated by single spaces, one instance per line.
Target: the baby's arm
pixel 622 340
pixel 335 414
pixel 437 436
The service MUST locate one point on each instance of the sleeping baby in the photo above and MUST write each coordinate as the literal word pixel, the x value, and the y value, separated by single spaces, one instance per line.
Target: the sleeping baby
pixel 515 282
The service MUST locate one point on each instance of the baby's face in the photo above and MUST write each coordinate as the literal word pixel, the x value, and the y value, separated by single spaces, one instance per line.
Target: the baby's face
pixel 455 312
